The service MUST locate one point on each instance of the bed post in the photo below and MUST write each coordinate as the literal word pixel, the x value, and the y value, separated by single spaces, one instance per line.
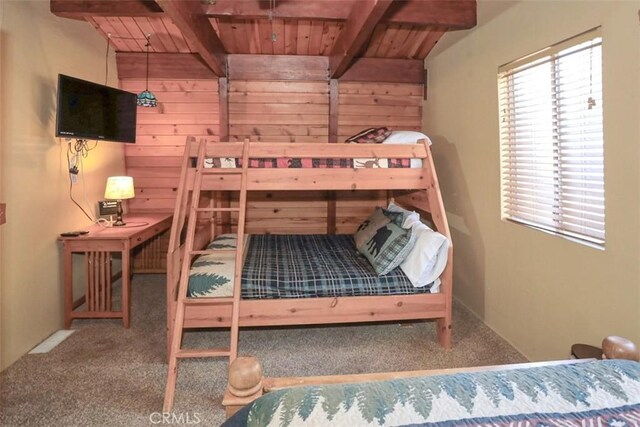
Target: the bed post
pixel 614 347
pixel 244 384
pixel 439 217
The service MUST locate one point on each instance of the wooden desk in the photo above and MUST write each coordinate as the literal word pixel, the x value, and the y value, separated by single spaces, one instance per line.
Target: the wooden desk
pixel 97 247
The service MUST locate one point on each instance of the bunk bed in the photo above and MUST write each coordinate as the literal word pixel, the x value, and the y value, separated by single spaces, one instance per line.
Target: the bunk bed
pixel 202 204
pixel 424 196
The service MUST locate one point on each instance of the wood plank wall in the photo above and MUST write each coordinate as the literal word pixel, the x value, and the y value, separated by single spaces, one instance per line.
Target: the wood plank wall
pixel 288 111
pixel 364 105
pixel 185 107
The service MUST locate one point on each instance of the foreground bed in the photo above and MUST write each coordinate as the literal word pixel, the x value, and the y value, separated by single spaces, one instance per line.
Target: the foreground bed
pixel 564 393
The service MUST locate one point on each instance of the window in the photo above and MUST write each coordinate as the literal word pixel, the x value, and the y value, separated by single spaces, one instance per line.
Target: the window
pixel 551 139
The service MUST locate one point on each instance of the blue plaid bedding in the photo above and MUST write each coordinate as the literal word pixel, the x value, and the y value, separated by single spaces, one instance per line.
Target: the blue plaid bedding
pixel 306 266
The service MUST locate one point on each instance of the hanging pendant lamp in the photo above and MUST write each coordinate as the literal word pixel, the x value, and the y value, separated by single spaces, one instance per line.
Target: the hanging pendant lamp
pixel 147 98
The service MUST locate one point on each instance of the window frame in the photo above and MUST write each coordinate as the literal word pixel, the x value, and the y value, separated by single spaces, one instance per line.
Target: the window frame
pixel 548 221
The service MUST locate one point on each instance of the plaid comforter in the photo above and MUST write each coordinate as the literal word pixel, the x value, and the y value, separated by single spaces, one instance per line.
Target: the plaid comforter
pixel 303 266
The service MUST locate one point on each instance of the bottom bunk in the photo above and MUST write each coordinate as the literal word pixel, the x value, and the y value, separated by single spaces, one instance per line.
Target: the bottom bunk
pixel 295 266
pixel 304 279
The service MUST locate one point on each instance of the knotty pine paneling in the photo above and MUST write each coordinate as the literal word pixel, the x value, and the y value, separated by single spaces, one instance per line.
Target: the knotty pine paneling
pixel 185 107
pixel 363 105
pixel 254 36
pixel 287 212
pixel 293 36
pixel 288 111
pixel 291 111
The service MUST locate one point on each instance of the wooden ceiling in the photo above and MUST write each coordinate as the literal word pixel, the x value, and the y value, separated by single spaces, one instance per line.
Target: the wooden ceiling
pixel 341 30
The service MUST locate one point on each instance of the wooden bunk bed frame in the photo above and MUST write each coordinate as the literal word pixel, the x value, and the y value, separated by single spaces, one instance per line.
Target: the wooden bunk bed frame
pixel 412 187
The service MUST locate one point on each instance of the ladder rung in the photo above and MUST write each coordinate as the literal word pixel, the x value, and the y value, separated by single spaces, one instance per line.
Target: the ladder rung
pixel 217 209
pixel 221 171
pixel 204 352
pixel 208 301
pixel 213 251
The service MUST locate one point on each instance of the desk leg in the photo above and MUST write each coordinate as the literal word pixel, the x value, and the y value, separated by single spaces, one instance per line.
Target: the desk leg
pixel 67 268
pixel 126 286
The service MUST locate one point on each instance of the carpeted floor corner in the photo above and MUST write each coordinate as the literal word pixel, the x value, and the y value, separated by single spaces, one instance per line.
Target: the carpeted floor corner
pixel 104 375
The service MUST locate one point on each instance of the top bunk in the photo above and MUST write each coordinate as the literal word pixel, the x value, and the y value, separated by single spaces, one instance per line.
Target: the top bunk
pixel 309 166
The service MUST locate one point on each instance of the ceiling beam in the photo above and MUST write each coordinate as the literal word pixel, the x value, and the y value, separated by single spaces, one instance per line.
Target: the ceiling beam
pixel 357 30
pixel 289 9
pixel 131 65
pixel 385 70
pixel 278 67
pixel 448 14
pixel 455 14
pixel 191 20
pixel 80 9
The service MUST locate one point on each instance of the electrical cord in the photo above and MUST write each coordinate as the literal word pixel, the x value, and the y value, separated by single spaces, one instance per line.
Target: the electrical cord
pixel 69 151
pixel 106 61
pixel 84 187
pixel 81 147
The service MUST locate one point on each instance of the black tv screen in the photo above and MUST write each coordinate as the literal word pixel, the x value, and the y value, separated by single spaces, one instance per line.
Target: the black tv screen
pixel 89 110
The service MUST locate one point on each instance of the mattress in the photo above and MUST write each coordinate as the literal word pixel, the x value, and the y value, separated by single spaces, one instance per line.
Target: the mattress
pixel 295 266
pixel 295 163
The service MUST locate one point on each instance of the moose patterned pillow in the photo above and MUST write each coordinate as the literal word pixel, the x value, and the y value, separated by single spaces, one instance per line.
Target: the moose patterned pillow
pixel 370 225
pixel 387 247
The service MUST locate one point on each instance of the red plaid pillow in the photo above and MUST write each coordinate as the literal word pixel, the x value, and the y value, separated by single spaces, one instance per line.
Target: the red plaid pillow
pixel 370 136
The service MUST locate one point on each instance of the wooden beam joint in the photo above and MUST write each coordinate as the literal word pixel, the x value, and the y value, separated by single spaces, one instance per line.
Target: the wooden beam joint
pixel 361 22
pixel 191 20
pixel 81 9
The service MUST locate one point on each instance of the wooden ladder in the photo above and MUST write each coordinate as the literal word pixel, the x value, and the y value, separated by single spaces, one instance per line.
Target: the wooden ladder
pixel 176 351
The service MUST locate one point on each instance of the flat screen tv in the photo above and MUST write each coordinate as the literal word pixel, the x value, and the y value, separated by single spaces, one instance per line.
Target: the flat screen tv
pixel 89 110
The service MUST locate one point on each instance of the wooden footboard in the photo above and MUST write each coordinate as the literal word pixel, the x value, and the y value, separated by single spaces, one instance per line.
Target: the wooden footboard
pixel 307 311
pixel 246 381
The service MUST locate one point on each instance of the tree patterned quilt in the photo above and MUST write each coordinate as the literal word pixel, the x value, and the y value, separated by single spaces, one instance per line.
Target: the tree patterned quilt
pixel 602 393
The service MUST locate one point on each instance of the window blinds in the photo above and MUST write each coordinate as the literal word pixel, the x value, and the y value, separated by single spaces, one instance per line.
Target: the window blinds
pixel 552 152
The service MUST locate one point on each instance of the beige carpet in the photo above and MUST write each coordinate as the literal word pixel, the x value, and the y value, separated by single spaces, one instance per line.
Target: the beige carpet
pixel 104 375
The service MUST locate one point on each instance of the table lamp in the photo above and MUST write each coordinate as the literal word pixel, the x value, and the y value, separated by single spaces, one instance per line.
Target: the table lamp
pixel 119 188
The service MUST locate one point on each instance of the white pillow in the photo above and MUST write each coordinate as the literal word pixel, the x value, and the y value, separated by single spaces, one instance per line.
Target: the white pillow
pixel 408 217
pixel 428 258
pixel 405 137
pixel 435 287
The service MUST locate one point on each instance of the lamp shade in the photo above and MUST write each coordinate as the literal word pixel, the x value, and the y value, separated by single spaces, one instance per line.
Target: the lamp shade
pixel 147 99
pixel 119 188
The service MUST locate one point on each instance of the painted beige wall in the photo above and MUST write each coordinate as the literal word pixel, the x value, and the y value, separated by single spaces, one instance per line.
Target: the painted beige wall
pixel 540 292
pixel 36 46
